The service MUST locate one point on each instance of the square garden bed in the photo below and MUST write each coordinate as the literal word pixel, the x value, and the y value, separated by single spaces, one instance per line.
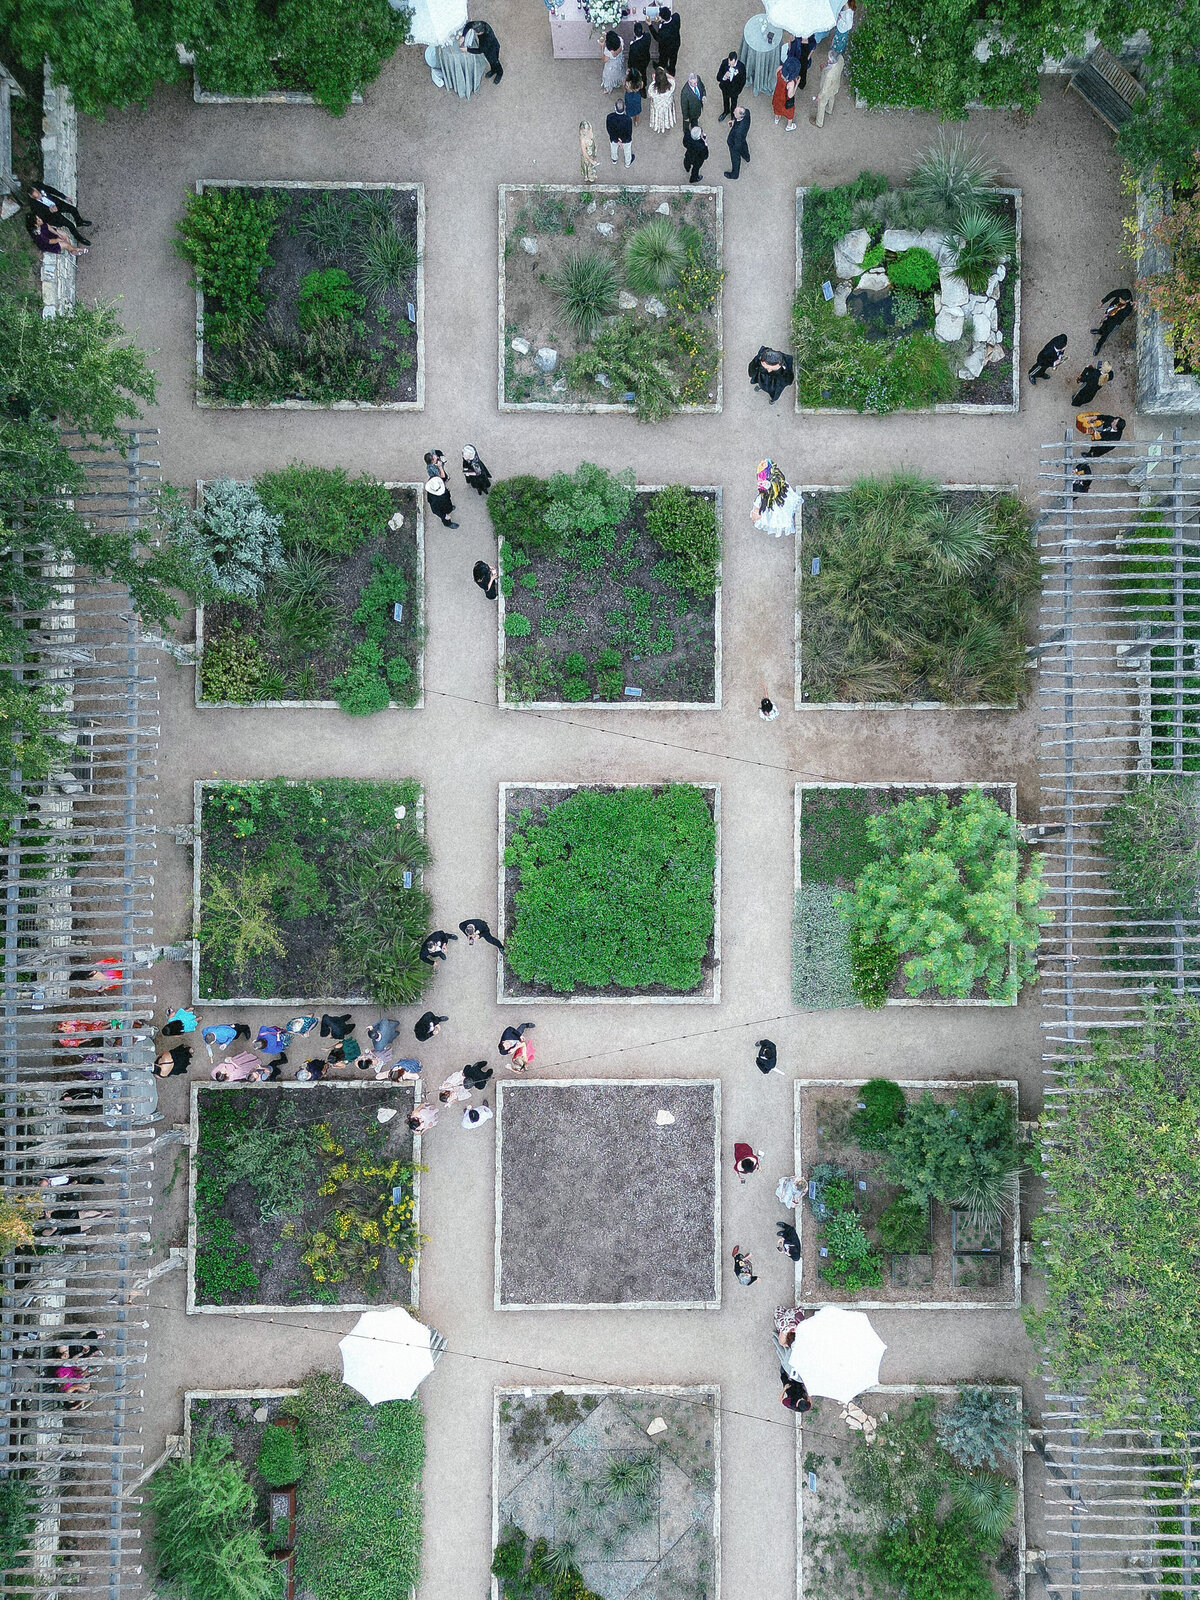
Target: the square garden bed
pixel 358 1499
pixel 324 631
pixel 927 1253
pixel 610 893
pixel 323 307
pixel 309 891
pixel 901 329
pixel 903 900
pixel 578 1482
pixel 912 595
pixel 862 1520
pixel 615 616
pixel 625 1210
pixel 301 1199
pixel 646 333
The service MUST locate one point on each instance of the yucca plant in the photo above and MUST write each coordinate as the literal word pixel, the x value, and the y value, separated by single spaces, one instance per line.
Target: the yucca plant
pixel 631 1475
pixel 982 240
pixel 384 258
pixel 655 256
pixel 587 286
pixel 987 1198
pixel 953 174
pixel 960 540
pixel 986 1501
pixel 305 579
pixel 562 1559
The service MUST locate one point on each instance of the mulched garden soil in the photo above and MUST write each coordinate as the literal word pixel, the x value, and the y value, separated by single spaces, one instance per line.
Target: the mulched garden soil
pixel 601 1206
pixel 234 1420
pixel 920 1277
pixel 551 1444
pixel 836 1525
pixel 284 1280
pixel 292 257
pixel 870 802
pixel 538 801
pixel 533 311
pixel 686 672
pixel 349 576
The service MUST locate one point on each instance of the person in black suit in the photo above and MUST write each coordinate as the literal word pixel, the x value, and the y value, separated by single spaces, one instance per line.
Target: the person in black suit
pixel 1091 380
pixel 731 75
pixel 695 151
pixel 1118 305
pixel 486 45
pixel 1049 356
pixel 637 58
pixel 618 124
pixel 53 207
pixel 666 34
pixel 736 139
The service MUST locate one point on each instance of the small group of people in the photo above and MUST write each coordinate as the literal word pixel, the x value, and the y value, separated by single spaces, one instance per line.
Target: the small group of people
pixel 1103 429
pixel 438 495
pixel 53 221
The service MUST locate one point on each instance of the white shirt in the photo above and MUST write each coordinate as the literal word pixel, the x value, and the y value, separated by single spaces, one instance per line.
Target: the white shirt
pixel 845 20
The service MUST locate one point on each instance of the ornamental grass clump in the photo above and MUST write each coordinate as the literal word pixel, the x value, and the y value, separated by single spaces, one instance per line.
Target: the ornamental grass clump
pixel 587 286
pixel 655 256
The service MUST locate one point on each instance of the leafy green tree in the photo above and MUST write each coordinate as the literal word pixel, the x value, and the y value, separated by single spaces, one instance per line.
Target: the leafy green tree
pixel 205 1541
pixel 1165 127
pixel 945 1150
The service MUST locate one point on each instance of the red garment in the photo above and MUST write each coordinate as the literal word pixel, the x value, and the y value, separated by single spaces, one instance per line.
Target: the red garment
pixel 744 1152
pixel 780 104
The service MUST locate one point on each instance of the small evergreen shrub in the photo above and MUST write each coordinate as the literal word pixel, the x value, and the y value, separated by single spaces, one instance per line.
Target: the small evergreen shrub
pixel 233 668
pixel 517 507
pixel 226 235
pixel 914 269
pixel 655 255
pixel 903 1226
pixel 982 1429
pixel 516 626
pixel 327 294
pixel 278 1461
pixel 882 1108
pixel 685 524
pixel 587 287
pixel 205 1542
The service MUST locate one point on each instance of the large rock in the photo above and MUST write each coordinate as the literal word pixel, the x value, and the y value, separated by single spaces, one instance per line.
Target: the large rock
pixel 849 251
pixel 939 247
pixel 899 239
pixel 840 296
pixel 876 279
pixel 949 325
pixel 546 359
pixel 974 363
pixel 994 282
pixel 954 291
pixel 995 353
pixel 627 301
pixel 530 245
pixel 983 313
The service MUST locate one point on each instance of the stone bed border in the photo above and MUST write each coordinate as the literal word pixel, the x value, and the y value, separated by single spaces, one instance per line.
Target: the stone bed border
pixel 948 407
pixel 605 189
pixel 799 1085
pixel 1161 391
pixel 915 1389
pixel 189 1395
pixel 198 787
pixel 416 404
pixel 629 703
pixel 270 97
pixel 609 1305
pixel 673 1390
pixel 509 997
pixel 800 704
pixel 905 783
pixel 349 1085
pixel 418 704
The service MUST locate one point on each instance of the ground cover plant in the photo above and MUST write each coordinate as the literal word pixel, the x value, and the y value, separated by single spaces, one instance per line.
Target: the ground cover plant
pixel 911 1196
pixel 1174 291
pixel 903 894
pixel 312 890
pixel 1151 844
pixel 306 293
pixel 590 1506
pixel 309 612
pixel 304 1197
pixel 919 593
pixel 928 1508
pixel 625 294
pixel 923 309
pixel 609 891
pixel 606 586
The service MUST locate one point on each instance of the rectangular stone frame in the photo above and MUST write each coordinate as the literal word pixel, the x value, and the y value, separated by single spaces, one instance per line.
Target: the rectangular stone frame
pixel 1161 391
pixel 417 404
pixel 608 1305
pixel 292 1001
pixel 606 190
pixel 904 783
pixel 1009 1084
pixel 948 407
pixel 269 97
pixel 914 1389
pixel 628 704
pixel 879 705
pixel 507 997
pixel 669 1389
pixel 190 1395
pixel 349 1085
pixel 418 704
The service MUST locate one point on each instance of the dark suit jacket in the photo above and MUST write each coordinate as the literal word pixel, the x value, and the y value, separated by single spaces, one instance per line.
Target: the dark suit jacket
pixel 739 132
pixel 667 34
pixel 638 55
pixel 695 154
pixel 691 103
pixel 737 83
pixel 488 46
pixel 619 127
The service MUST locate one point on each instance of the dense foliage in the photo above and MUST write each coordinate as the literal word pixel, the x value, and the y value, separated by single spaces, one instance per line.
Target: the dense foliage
pixel 961 1152
pixel 1144 584
pixel 983 1428
pixel 1152 842
pixel 530 1570
pixel 279 1461
pixel 226 236
pixel 849 1261
pixel 205 1541
pixel 1175 292
pixel 919 596
pixel 1120 1246
pixel 18 1502
pixel 613 889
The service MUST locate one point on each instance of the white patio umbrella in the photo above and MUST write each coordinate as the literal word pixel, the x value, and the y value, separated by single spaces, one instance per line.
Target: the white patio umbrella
pixel 836 1353
pixel 387 1353
pixel 800 17
pixel 433 21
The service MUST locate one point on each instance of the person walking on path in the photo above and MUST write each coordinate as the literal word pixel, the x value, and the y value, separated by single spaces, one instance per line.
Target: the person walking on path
pixel 789 1240
pixel 638 57
pixel 783 101
pixel 1118 304
pixel 767 709
pixel 841 29
pixel 476 1116
pixel 661 95
pixel 477 475
pixel 1048 357
pixel 1091 380
pixel 434 947
pixel 745 1160
pixel 224 1033
pixel 478 1074
pixel 666 33
pixel 695 152
pixel 1103 429
pixel 487 578
pixel 476 928
pixel 427 1024
pixel 731 80
pixel 619 127
pixel 235 1069
pixel 827 91
pixel 479 39
pixel 613 75
pixel 736 139
pixel 516 1052
pixel 336 1027
pixel 441 503
pixel 423 1116
pixel 776 503
pixel 743 1267
pixel 1083 479
pixel 587 152
pixel 771 371
pixel 383 1032
pixel 691 100
pixel 454 1088
pixel 767 1059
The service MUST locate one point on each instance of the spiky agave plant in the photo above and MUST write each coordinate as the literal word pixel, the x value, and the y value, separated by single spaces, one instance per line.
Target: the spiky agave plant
pixel 587 286
pixel 655 256
pixel 985 1501
pixel 954 173
pixel 982 239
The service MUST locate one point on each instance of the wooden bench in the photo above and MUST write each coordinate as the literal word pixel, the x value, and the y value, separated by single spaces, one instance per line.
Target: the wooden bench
pixel 1103 83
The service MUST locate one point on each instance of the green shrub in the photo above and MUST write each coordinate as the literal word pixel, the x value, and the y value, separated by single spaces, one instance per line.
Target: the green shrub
pixel 914 269
pixel 517 626
pixel 942 1150
pixel 696 288
pixel 587 286
pixel 232 667
pixel 928 1560
pixel 576 689
pixel 986 1502
pixel 873 258
pixel 17 1506
pixel 1164 129
pixel 850 1263
pixel 637 358
pixel 982 240
pixel 685 524
pixel 278 1461
pixel 903 1226
pixel 327 295
pixel 1152 841
pixel 205 1543
pixel 954 174
pixel 589 503
pixel 610 683
pixel 908 309
pixel 230 543
pixel 384 259
pixel 361 689
pixel 883 1106
pixel 226 235
pixel 837 365
pixel 324 507
pixel 827 214
pixel 655 255
pixel 517 507
pixel 982 1429
pixel 873 963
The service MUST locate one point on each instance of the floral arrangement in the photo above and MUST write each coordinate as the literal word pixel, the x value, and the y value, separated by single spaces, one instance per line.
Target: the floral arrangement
pixel 604 14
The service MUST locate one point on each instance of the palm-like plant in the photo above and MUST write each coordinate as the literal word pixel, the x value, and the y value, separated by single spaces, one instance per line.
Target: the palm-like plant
pixel 982 240
pixel 953 174
pixel 304 581
pixel 986 1501
pixel 655 256
pixel 587 286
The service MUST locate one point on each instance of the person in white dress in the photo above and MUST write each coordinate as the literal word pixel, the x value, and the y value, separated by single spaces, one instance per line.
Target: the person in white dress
pixel 613 75
pixel 661 95
pixel 776 503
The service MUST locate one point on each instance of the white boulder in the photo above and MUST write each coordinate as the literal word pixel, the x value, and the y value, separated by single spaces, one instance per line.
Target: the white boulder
pixel 994 282
pixel 984 315
pixel 898 239
pixel 949 325
pixel 655 307
pixel 522 346
pixel 877 278
pixel 955 293
pixel 627 301
pixel 938 245
pixel 974 363
pixel 664 210
pixel 849 251
pixel 995 353
pixel 840 296
pixel 530 245
pixel 546 359
pixel 606 228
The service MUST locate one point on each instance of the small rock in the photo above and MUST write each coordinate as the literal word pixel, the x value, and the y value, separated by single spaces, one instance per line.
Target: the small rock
pixel 663 210
pixel 396 521
pixel 400 812
pixel 627 301
pixel 591 210
pixel 664 1118
pixel 840 296
pixel 955 293
pixel 558 385
pixel 546 359
pixel 530 245
pixel 385 1114
pixel 993 284
pixel 262 1413
pixel 606 228
pixel 655 307
pixel 899 239
pixel 656 1427
pixel 974 363
pixel 949 325
pixel 877 278
pixel 603 379
pixel 995 353
pixel 849 251
pixel 610 205
pixel 522 346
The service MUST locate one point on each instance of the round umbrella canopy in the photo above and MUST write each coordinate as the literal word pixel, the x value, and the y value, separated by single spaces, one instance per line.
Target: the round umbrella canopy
pixel 387 1353
pixel 800 17
pixel 836 1353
